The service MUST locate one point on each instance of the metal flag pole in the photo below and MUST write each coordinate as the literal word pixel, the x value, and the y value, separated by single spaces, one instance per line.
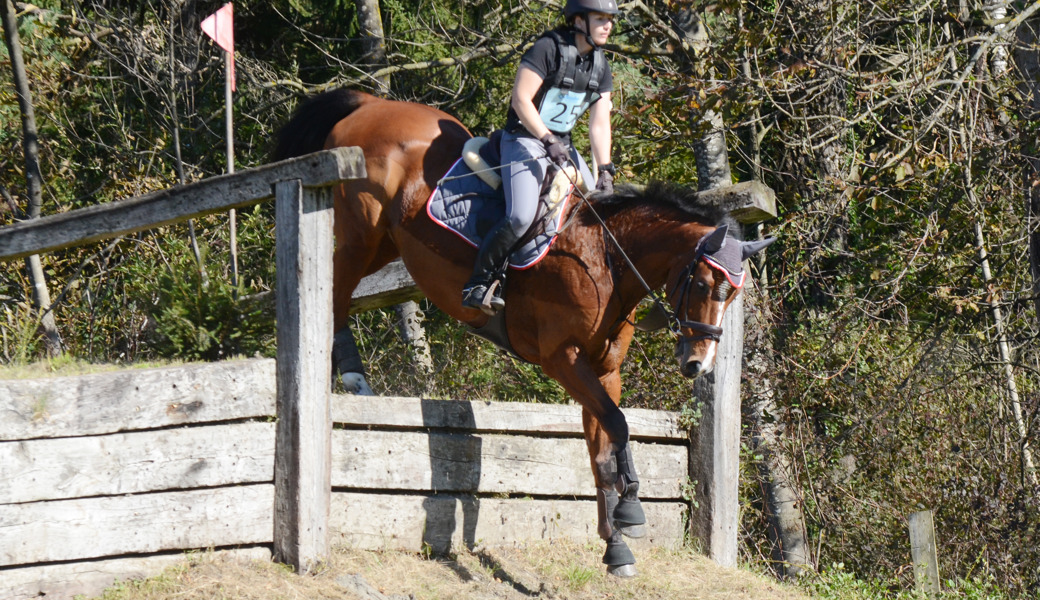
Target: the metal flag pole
pixel 229 78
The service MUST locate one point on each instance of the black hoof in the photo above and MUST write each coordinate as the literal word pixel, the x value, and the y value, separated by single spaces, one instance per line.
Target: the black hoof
pixel 617 553
pixel 629 513
pixel 623 571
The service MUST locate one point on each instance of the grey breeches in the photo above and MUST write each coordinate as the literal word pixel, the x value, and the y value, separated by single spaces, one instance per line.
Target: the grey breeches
pixel 523 180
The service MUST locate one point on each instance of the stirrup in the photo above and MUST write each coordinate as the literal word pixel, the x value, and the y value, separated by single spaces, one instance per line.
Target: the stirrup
pixel 484 298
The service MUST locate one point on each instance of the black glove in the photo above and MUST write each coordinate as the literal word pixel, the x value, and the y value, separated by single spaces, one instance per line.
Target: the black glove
pixel 556 149
pixel 605 182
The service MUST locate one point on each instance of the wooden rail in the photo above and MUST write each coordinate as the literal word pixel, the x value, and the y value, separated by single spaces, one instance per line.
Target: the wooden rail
pixel 176 204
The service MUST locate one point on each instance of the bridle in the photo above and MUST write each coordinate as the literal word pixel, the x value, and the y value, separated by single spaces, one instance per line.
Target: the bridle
pixel 675 322
pixel 707 332
pixel 718 294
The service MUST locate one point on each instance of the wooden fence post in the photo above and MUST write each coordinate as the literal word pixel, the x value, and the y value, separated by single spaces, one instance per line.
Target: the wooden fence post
pixel 715 446
pixel 715 443
pixel 923 552
pixel 303 453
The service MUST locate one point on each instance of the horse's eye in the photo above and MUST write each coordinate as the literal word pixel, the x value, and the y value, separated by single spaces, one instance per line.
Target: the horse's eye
pixel 702 287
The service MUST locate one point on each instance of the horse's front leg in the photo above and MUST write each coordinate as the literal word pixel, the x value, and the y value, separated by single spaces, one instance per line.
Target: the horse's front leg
pixel 617 488
pixel 606 434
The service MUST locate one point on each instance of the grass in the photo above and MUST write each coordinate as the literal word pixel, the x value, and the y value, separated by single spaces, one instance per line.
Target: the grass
pixel 559 569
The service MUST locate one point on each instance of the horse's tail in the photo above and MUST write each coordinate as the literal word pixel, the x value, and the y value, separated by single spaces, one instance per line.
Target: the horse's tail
pixel 310 125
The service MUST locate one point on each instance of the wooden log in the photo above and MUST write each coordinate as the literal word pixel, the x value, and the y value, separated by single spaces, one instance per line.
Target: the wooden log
pixel 514 417
pixel 386 287
pixel 923 553
pixel 303 453
pixel 68 530
pixel 748 202
pixel 127 463
pixel 136 399
pixel 442 521
pixel 495 464
pixel 715 446
pixel 176 204
pixel 90 579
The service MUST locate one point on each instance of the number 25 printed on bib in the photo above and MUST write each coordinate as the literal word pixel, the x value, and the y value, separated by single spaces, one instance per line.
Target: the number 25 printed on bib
pixel 560 110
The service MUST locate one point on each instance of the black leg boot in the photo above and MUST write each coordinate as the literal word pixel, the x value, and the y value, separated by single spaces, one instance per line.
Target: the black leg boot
pixel 492 255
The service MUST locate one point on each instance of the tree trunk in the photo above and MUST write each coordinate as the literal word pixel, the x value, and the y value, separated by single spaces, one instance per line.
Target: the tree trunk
pixel 34 180
pixel 409 319
pixel 373 42
pixel 1027 60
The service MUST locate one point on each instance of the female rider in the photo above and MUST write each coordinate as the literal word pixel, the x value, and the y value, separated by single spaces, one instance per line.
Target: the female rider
pixel 563 75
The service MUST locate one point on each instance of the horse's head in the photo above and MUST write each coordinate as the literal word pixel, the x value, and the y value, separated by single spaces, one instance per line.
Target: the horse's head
pixel 701 290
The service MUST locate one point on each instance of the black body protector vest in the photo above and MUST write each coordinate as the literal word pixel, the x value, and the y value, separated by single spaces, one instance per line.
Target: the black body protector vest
pixel 563 100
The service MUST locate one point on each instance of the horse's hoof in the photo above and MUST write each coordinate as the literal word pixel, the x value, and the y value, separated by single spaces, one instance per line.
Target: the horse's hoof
pixel 633 531
pixel 623 571
pixel 354 383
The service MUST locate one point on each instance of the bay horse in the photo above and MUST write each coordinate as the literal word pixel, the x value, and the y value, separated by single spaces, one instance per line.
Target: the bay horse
pixel 572 312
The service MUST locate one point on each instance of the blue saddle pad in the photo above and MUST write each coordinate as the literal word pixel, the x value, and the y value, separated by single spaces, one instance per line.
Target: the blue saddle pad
pixel 468 207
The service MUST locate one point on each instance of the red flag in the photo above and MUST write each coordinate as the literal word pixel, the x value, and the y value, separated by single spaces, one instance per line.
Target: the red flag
pixel 220 27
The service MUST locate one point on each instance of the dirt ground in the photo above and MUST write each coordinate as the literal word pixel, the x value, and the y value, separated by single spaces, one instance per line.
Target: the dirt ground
pixel 557 570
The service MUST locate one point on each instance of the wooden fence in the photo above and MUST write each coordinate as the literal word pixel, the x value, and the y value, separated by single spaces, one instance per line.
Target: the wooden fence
pixel 115 475
pixel 112 476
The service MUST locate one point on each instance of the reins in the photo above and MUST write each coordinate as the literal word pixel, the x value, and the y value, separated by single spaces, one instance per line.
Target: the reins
pixel 674 323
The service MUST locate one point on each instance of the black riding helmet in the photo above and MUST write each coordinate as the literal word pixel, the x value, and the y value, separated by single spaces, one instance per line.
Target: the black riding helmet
pixel 576 7
pixel 573 8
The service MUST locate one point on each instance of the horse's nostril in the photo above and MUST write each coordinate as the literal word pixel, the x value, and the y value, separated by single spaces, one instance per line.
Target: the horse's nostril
pixel 691 368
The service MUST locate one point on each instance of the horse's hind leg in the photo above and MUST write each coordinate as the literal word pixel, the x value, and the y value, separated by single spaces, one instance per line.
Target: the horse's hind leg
pixel 362 247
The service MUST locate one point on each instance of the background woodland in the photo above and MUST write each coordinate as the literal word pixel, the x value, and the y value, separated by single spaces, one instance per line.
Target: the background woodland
pixel 891 364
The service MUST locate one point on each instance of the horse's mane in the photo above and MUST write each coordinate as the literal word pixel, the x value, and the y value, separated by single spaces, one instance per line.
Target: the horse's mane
pixel 657 197
pixel 310 125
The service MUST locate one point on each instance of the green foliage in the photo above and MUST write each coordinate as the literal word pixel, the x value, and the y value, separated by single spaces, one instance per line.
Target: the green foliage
pixel 836 583
pixel 884 369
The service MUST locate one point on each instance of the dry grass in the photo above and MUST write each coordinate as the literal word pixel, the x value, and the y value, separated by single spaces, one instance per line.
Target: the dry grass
pixel 558 570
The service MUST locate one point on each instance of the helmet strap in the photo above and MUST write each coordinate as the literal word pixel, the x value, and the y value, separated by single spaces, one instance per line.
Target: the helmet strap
pixel 588 30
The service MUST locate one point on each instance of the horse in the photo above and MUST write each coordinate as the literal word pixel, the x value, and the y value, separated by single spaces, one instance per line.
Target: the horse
pixel 572 313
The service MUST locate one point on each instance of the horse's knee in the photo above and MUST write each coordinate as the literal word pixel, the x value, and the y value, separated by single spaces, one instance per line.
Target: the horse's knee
pixel 616 426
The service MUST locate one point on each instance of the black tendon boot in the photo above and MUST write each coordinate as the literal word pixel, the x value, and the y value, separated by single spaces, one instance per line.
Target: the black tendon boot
pixel 491 256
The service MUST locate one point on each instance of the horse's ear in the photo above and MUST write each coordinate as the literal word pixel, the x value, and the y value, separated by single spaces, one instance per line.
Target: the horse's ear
pixel 656 319
pixel 748 249
pixel 711 243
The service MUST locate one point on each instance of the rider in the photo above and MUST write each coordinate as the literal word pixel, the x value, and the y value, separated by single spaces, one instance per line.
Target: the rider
pixel 560 77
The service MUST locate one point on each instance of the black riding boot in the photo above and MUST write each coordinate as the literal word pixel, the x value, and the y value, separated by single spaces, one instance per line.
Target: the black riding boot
pixel 492 255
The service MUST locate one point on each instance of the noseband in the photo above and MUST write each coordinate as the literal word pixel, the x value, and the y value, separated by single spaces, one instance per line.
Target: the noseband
pixel 718 294
pixel 707 332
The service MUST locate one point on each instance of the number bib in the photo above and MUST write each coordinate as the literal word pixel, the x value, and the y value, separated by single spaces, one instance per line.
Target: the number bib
pixel 560 110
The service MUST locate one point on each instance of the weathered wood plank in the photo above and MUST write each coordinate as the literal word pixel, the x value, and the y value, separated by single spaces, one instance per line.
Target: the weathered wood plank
pixel 136 399
pixel 66 581
pixel 715 446
pixel 748 202
pixel 444 521
pixel 442 462
pixel 68 530
pixel 923 553
pixel 519 417
pixel 126 463
pixel 386 287
pixel 179 203
pixel 303 460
